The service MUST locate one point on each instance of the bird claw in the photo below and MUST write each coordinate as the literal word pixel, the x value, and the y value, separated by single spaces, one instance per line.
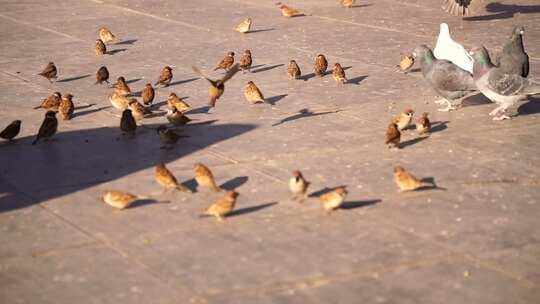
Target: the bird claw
pixel 502 117
pixel 448 109
pixel 440 101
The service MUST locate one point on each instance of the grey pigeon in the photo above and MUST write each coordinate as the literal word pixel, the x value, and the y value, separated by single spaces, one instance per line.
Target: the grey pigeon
pixel 513 59
pixel 446 78
pixel 502 88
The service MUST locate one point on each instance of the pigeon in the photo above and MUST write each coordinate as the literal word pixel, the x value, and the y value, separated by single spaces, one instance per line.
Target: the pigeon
pixel 446 78
pixel 513 59
pixel 446 48
pixel 502 88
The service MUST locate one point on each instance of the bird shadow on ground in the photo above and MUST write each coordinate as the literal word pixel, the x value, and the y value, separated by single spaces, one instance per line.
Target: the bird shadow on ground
pixel 112 52
pixel 86 112
pixel 100 148
pixel 530 107
pixel 359 204
pixel 302 114
pixel 504 11
pixel 129 42
pixel 77 108
pixel 234 183
pixel 200 110
pixel 357 80
pixel 306 77
pixel 144 202
pixel 324 191
pixel 475 100
pixel 205 122
pixel 274 99
pixel 191 184
pixel 136 94
pixel 255 67
pixel 247 210
pixel 73 78
pixel 267 68
pixel 182 81
pixel 429 180
pixel 133 80
pixel 411 142
pixel 361 5
pixel 261 30
pixel 437 126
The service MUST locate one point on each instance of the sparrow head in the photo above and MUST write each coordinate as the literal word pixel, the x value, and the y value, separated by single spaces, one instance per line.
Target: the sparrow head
pixel 50 114
pixel 247 52
pixel 337 65
pixel 99 41
pixel 292 62
pixel 283 6
pixel 68 96
pixel 148 85
pixel 398 169
pixel 321 56
pixel 230 54
pixel 408 112
pixel 103 195
pixel 248 19
pixel 425 114
pixel 57 94
pixel 341 190
pixel 172 95
pixel 51 63
pixel 297 174
pixel 250 83
pixel 161 129
pixel 126 112
pixel 132 101
pixel 231 194
pixel 160 164
pixel 167 68
pixel 120 79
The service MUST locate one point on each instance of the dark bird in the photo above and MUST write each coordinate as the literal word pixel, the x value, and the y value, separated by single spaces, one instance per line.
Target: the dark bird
pixel 102 75
pixel 502 88
pixel 447 79
pixel 217 87
pixel 50 103
pixel 513 59
pixel 50 72
pixel 226 62
pixel 165 76
pixel 48 127
pixel 320 65
pixel 11 130
pixel 177 118
pixel 148 94
pixel 246 61
pixel 168 137
pixel 127 123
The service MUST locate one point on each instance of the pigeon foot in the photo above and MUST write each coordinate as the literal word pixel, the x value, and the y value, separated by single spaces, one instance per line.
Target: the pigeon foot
pixel 502 117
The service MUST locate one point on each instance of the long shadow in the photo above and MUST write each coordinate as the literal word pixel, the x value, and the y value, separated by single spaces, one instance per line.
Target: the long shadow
pixel 504 11
pixel 112 52
pixel 306 77
pixel 74 78
pixel 267 68
pixel 359 204
pixel 86 112
pixel 129 42
pixel 78 108
pixel 107 156
pixel 361 5
pixel 234 183
pixel 256 66
pixel 181 81
pixel 437 126
pixel 530 107
pixel 304 113
pixel 430 180
pixel 261 30
pixel 323 191
pixel 141 203
pixel 133 80
pixel 250 209
pixel 475 100
pixel 191 184
pixel 411 142
pixel 199 110
pixel 205 122
pixel 357 80
pixel 274 99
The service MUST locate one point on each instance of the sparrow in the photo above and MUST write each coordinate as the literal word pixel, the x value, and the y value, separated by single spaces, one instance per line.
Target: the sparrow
pixel 67 107
pixel 226 63
pixel 293 70
pixel 252 93
pixel 204 177
pixel 119 199
pixel 102 75
pixel 49 72
pixel 423 125
pixel 244 26
pixel 392 136
pixel 105 35
pixel 298 186
pixel 11 130
pixel 406 63
pixel 347 3
pixel 177 118
pixel 334 199
pixel 176 102
pixel 217 87
pixel 50 103
pixel 119 101
pixel 246 61
pixel 339 74
pixel 167 137
pixel 320 65
pixel 223 206
pixel 121 86
pixel 406 181
pixel 404 119
pixel 48 127
pixel 166 179
pixel 165 76
pixel 287 11
pixel 127 123
pixel 101 49
pixel 148 94
pixel 138 111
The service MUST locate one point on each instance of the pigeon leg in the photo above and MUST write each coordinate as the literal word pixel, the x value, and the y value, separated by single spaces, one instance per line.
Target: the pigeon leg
pixel 501 117
pixel 449 107
pixel 496 111
pixel 440 101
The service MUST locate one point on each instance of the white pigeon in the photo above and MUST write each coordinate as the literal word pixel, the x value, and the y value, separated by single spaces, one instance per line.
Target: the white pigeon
pixel 450 50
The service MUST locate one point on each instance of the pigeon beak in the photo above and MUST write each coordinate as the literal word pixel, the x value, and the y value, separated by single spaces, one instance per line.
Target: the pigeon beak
pixel 414 54
pixel 521 32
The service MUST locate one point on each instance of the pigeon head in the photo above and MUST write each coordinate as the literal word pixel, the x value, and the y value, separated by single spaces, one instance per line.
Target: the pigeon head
pixel 482 62
pixel 518 31
pixel 424 53
pixel 444 29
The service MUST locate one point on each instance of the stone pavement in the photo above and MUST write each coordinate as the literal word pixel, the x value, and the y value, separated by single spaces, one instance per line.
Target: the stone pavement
pixel 477 241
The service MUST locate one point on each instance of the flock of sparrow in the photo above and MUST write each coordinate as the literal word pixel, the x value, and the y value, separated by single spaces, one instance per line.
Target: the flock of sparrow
pixel 452 72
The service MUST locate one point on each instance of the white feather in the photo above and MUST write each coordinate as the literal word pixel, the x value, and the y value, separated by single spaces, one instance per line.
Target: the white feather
pixel 448 49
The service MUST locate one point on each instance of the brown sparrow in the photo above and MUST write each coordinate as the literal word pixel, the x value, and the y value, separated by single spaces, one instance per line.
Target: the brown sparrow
pixel 165 76
pixel 423 125
pixel 293 70
pixel 204 177
pixel 406 181
pixel 223 206
pixel 217 87
pixel 48 127
pixel 51 103
pixel 320 65
pixel 148 94
pixel 252 93
pixel 166 179
pixel 244 26
pixel 102 75
pixel 298 186
pixel 67 107
pixel 49 72
pixel 404 119
pixel 334 199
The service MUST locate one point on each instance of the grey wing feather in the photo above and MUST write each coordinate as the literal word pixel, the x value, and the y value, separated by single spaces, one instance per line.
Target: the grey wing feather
pixel 450 77
pixel 511 84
